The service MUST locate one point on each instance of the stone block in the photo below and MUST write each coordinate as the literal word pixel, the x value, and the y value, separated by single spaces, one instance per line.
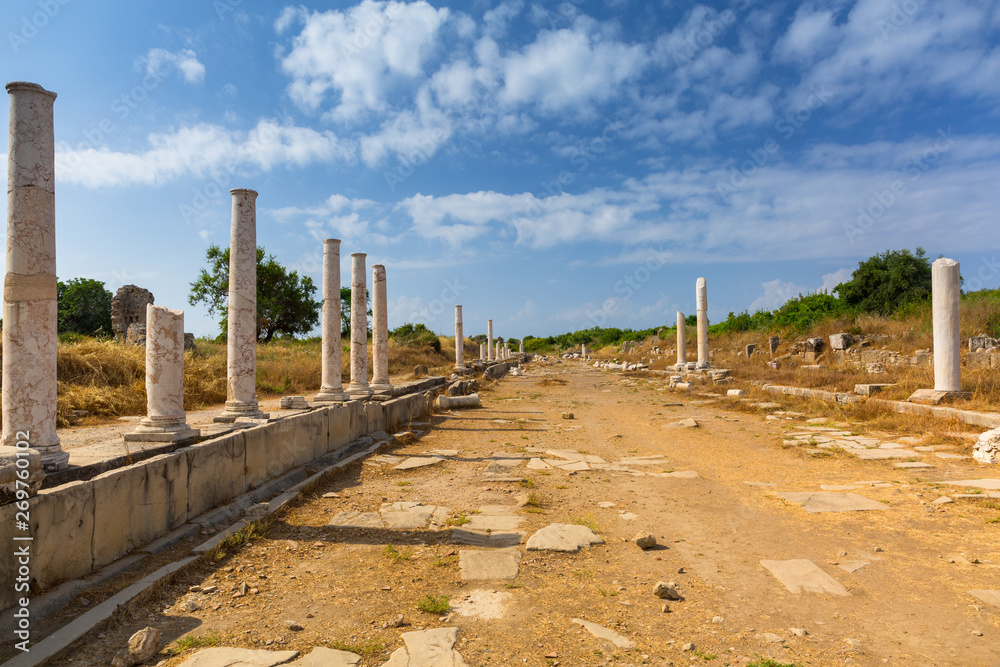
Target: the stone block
pixel 9 470
pixel 809 357
pixel 841 341
pixel 981 342
pixel 137 504
pixel 750 348
pixel 310 436
pixel 8 564
pixel 270 451
pixel 216 472
pixel 994 360
pixel 870 389
pixel 359 420
pixel 773 343
pixel 339 418
pixel 816 345
pixel 62 523
pixel 375 417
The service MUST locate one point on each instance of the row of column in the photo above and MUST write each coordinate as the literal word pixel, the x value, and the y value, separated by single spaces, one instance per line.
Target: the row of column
pixel 701 297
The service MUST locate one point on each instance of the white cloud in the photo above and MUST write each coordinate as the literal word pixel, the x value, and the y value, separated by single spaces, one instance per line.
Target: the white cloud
pixel 525 313
pixel 776 293
pixel 807 36
pixel 185 60
pixel 831 280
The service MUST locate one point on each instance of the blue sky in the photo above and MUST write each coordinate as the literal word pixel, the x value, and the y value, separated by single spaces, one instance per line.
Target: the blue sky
pixel 553 166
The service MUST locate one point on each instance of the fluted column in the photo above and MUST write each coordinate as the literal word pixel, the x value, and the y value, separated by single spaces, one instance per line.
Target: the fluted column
pixel 380 332
pixel 702 296
pixel 30 310
pixel 682 341
pixel 332 389
pixel 241 352
pixel 359 328
pixel 459 340
pixel 489 340
pixel 165 419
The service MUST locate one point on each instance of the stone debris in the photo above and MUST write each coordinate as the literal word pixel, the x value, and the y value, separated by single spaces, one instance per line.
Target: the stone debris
pixel 798 632
pixel 851 566
pixel 987 448
pixel 418 462
pixel 645 541
pixel 803 576
pixel 684 423
pixel 495 565
pixel 239 657
pixel 666 590
pixel 943 500
pixel 562 537
pixel 141 647
pixel 771 638
pixel 832 502
pixel 602 632
pixel 293 403
pixel 327 657
pixel 428 648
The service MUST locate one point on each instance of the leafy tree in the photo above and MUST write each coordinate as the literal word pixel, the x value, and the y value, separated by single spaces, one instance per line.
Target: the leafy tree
pixel 84 307
pixel 883 283
pixel 415 335
pixel 345 311
pixel 284 299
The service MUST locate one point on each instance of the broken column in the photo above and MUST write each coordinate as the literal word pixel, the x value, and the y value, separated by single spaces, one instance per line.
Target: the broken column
pixel 521 347
pixel 489 339
pixel 359 328
pixel 380 333
pixel 165 419
pixel 482 352
pixel 30 310
pixel 947 297
pixel 332 389
pixel 241 352
pixel 459 341
pixel 682 341
pixel 702 295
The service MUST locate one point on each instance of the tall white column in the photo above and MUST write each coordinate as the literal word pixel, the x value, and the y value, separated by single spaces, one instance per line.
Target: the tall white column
pixel 946 297
pixel 521 347
pixel 489 339
pixel 332 389
pixel 702 295
pixel 165 419
pixel 682 341
pixel 380 332
pixel 359 328
pixel 241 352
pixel 30 310
pixel 583 350
pixel 459 340
pixel 482 352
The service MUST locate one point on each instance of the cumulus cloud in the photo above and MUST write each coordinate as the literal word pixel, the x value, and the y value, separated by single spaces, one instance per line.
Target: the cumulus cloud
pixel 184 61
pixel 776 293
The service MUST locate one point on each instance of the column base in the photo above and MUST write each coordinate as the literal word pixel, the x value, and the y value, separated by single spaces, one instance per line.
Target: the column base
pixel 702 365
pixel 459 369
pixel 381 388
pixel 331 396
pixel 937 397
pixel 236 409
pixel 359 390
pixel 152 429
pixel 681 367
pixel 54 460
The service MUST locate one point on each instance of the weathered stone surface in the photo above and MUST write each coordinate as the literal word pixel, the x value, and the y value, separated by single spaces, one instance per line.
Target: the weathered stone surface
pixel 493 523
pixel 803 576
pixel 454 402
pixel 684 423
pixel 418 462
pixel 773 343
pixel 870 389
pixel 987 449
pixel 489 565
pixel 602 632
pixel 666 590
pixel 562 537
pixel 8 472
pixel 493 540
pixel 59 517
pixel 136 334
pixel 332 389
pixel 645 540
pixel 380 332
pixel 989 597
pixel 851 566
pixel 293 403
pixel 239 657
pixel 841 341
pixel 428 648
pixel 355 519
pixel 142 646
pixel 128 306
pixel 814 502
pixel 216 472
pixel 327 657
pixel 410 515
pixel 946 296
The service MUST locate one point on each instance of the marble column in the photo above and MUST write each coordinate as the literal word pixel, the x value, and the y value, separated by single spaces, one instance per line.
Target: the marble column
pixel 702 295
pixel 380 333
pixel 359 328
pixel 682 341
pixel 241 361
pixel 332 389
pixel 496 349
pixel 521 347
pixel 489 339
pixel 459 340
pixel 583 351
pixel 946 300
pixel 30 310
pixel 482 352
pixel 165 419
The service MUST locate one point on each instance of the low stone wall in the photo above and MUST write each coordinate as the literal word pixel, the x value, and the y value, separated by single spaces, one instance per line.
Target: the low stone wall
pixel 82 526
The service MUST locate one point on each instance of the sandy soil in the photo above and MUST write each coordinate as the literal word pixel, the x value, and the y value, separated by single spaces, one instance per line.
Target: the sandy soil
pixel 909 606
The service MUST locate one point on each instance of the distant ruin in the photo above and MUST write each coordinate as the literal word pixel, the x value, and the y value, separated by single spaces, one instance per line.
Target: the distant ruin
pixel 128 306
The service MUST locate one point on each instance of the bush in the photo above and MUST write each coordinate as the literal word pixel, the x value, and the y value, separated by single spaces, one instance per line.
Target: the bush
pixel 416 335
pixel 884 283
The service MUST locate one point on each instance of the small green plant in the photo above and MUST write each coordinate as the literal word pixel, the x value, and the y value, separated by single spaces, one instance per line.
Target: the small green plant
pixel 366 648
pixel 528 484
pixel 444 561
pixel 244 536
pixel 705 655
pixel 767 662
pixel 391 553
pixel 434 604
pixel 587 521
pixel 211 638
pixel 403 483
pixel 512 585
pixel 562 486
pixel 459 519
pixel 606 593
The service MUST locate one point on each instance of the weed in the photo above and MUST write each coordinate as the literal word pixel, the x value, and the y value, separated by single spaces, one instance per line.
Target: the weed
pixel 403 483
pixel 458 519
pixel 434 604
pixel 768 662
pixel 367 648
pixel 528 484
pixel 705 655
pixel 444 561
pixel 246 535
pixel 562 486
pixel 588 522
pixel 211 638
pixel 391 553
pixel 512 585
pixel 606 593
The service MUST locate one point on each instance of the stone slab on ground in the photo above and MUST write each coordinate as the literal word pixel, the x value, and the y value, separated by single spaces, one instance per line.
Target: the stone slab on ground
pixel 327 657
pixel 571 466
pixel 990 484
pixel 428 648
pixel 913 465
pixel 418 462
pixel 681 474
pixel 355 519
pixel 946 455
pixel 878 454
pixel 410 515
pixel 239 657
pixel 832 502
pixel 851 566
pixel 989 597
pixel 562 537
pixel 602 632
pixel 801 575
pixel 486 604
pixel 538 464
pixel 495 540
pixel 386 459
pixel 493 523
pixel 684 423
pixel 503 564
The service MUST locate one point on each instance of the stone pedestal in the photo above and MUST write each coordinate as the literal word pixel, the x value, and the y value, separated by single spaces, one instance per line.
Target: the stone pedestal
pixel 29 295
pixel 489 340
pixel 165 419
pixel 359 329
pixel 702 295
pixel 241 362
pixel 380 333
pixel 682 342
pixel 459 340
pixel 332 389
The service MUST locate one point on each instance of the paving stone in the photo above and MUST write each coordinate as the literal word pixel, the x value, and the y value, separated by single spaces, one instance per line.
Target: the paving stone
pixel 890 445
pixel 803 576
pixel 832 502
pixel 238 657
pixel 538 464
pixel 573 466
pixel 878 454
pixel 493 523
pixel 386 459
pixel 409 515
pixel 355 519
pixel 852 565
pixel 442 452
pixel 496 540
pixel 989 597
pixel 627 516
pixel 428 648
pixel 489 565
pixel 501 467
pixel 605 505
pixel 763 484
pixel 485 604
pixel 945 455
pixel 418 462
pixel 684 423
pixel 683 474
pixel 568 454
pixel 991 484
pixel 838 487
pixel 913 465
pixel 943 500
pixel 327 657
pixel 498 510
pixel 602 632
pixel 562 537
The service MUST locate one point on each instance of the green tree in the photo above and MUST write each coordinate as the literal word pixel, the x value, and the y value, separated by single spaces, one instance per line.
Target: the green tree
pixel 84 307
pixel 415 335
pixel 284 299
pixel 345 311
pixel 886 282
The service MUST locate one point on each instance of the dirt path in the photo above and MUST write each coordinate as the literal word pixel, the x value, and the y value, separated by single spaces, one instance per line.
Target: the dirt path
pixel 344 586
